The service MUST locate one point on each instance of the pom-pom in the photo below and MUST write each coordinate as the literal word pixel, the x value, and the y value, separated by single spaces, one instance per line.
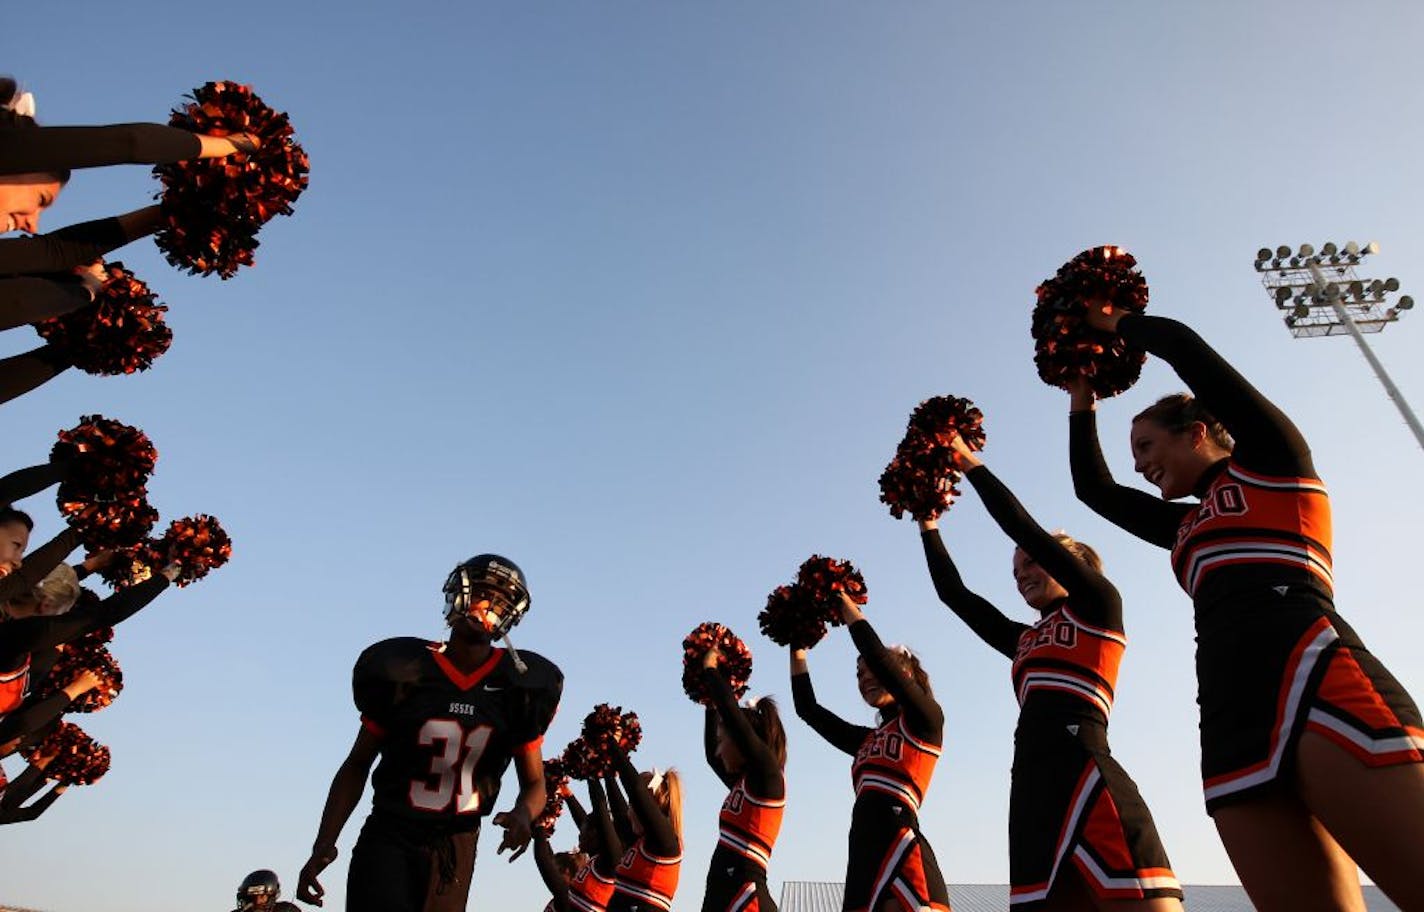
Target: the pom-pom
pixel 604 729
pixel 107 459
pixel 111 525
pixel 736 664
pixel 579 760
pixel 74 758
pixel 197 543
pixel 790 620
pixel 556 779
pixel 921 480
pixel 824 579
pixel 88 653
pixel 1065 346
pixel 121 332
pixel 213 207
pixel 132 565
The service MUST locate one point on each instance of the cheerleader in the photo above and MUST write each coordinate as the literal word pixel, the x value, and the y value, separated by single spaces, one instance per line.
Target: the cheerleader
pixel 1312 753
pixel 26 785
pixel 648 872
pixel 1078 829
pixel 746 748
pixel 890 866
pixel 588 886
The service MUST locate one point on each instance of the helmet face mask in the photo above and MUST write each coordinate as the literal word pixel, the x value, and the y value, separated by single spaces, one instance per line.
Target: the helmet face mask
pixel 257 887
pixel 488 591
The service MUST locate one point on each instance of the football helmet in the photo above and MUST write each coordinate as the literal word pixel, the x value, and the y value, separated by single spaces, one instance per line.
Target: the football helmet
pixel 256 886
pixel 489 590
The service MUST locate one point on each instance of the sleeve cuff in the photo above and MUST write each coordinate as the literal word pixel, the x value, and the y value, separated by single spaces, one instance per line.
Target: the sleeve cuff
pixel 371 726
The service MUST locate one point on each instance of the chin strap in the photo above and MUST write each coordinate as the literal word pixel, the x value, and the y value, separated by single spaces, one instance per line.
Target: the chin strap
pixel 519 665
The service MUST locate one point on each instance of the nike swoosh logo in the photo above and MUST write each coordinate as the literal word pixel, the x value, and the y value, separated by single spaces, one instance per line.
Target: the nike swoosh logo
pixel 1281 590
pixel 492 689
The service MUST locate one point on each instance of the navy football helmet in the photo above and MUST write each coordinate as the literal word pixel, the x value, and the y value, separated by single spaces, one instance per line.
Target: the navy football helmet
pixel 490 591
pixel 258 890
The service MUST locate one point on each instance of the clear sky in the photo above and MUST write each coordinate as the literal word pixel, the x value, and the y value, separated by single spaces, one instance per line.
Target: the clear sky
pixel 640 295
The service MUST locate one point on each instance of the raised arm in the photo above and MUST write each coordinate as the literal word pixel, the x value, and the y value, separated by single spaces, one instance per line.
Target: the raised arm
pixel 709 746
pixel 75 245
pixel 576 811
pixel 43 149
pixel 618 806
pixel 921 711
pixel 840 734
pixel 1148 517
pixel 31 299
pixel 549 872
pixel 762 770
pixel 658 832
pixel 610 844
pixel 33 811
pixel 23 483
pixel 33 634
pixel 19 374
pixel 1094 598
pixel 1266 440
pixel 988 623
pixel 37 565
pixel 34 714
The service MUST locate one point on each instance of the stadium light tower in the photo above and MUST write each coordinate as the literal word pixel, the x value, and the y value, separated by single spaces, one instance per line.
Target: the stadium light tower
pixel 1321 295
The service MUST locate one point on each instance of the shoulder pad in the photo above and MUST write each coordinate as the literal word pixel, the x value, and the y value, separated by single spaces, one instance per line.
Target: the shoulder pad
pixel 539 673
pixel 382 669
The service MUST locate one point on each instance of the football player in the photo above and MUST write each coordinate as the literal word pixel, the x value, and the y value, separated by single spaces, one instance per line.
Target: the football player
pixel 261 890
pixel 444 720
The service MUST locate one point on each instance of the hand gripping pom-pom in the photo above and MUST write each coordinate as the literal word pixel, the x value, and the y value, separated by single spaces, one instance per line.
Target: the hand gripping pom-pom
pixel 213 207
pixel 87 653
pixel 921 480
pixel 736 665
pixel 556 779
pixel 1065 346
pixel 789 619
pixel 74 757
pixel 132 565
pixel 823 579
pixel 198 544
pixel 121 332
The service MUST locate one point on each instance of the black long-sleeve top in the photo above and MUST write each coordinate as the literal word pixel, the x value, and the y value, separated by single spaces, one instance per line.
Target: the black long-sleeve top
pixel 29 299
pixel 24 372
pixel 1266 442
pixel 21 790
pixel 22 636
pixel 30 149
pixel 554 880
pixel 658 834
pixel 610 844
pixel 31 480
pixel 760 768
pixel 922 714
pixel 618 809
pixel 61 250
pixel 33 715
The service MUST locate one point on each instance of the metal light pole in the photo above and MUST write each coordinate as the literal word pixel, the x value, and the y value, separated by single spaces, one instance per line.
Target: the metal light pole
pixel 1322 296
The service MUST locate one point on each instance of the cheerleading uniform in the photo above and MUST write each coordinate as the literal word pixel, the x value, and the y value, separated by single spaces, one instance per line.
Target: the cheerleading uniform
pixel 61 250
pixel 23 637
pixel 31 299
pixel 888 855
pixel 590 887
pixel 37 565
pixel 21 790
pixel 28 149
pixel 26 482
pixel 751 814
pixel 1274 659
pixel 647 874
pixel 1070 801
pixel 445 740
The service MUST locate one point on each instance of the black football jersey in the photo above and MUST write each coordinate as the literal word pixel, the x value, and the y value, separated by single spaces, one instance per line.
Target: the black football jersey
pixel 446 737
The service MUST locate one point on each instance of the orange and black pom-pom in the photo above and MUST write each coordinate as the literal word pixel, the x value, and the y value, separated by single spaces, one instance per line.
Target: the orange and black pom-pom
pixel 1065 346
pixel 107 458
pixel 790 619
pixel 122 332
pixel 580 761
pixel 923 476
pixel 823 579
pixel 86 654
pixel 197 543
pixel 73 757
pixel 111 525
pixel 556 779
pixel 213 208
pixel 605 729
pixel 736 665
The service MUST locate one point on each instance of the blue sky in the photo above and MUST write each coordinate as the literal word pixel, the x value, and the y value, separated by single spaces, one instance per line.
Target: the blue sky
pixel 640 295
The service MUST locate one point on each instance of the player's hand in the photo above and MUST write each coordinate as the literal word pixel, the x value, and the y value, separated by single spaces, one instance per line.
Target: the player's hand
pixel 517 832
pixel 1101 314
pixel 309 889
